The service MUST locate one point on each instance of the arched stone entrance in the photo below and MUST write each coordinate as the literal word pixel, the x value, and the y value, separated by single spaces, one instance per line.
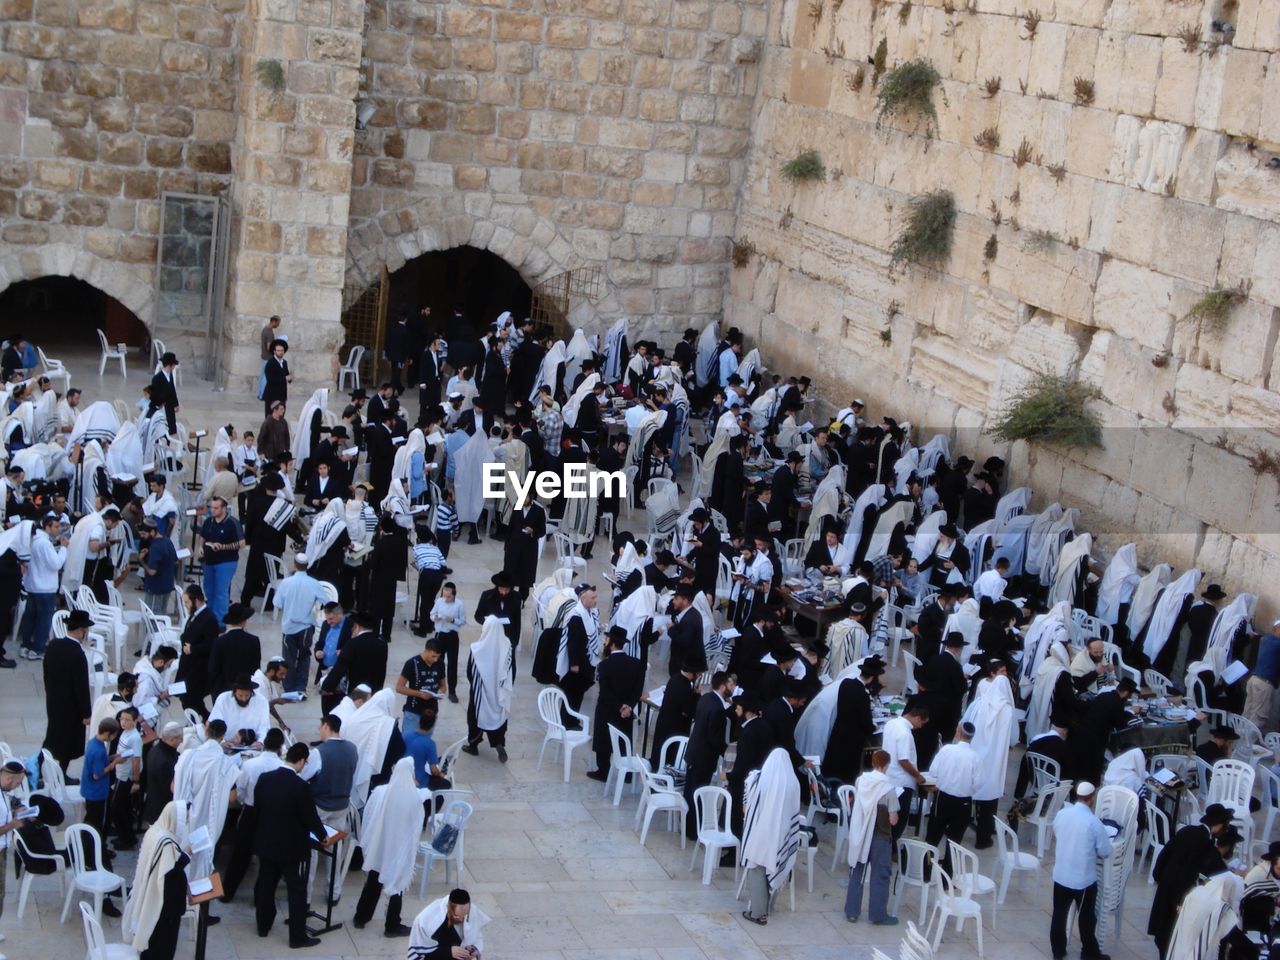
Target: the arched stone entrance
pixel 132 285
pixel 59 312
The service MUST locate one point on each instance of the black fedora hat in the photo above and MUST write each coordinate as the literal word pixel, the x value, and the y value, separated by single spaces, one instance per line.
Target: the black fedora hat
pixel 501 579
pixel 1214 592
pixel 78 620
pixel 169 360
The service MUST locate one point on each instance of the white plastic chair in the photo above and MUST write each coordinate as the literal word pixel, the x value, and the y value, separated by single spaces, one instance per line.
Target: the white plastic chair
pixel 132 618
pixel 1048 803
pixel 671 756
pixel 95 880
pixel 1250 747
pixel 1156 682
pixel 351 369
pixel 968 880
pixel 622 763
pixel 457 813
pixel 55 785
pixel 1232 785
pixel 711 810
pixel 1045 771
pixel 724 578
pixel 1154 840
pixel 951 903
pixel 1009 858
pixel 845 795
pixel 793 558
pixel 275 573
pixel 661 796
pixel 109 352
pixel 909 664
pixel 912 857
pixel 1270 797
pixel 95 940
pixel 450 757
pixel 55 369
pixel 565 556
pixel 895 619
pixel 59 871
pixel 551 702
pixel 106 617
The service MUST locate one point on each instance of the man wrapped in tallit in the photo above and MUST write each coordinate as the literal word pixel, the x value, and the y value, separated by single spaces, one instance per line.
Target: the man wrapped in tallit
pixel 204 779
pixel 396 504
pixel 635 615
pixel 577 351
pixel 847 644
pixel 827 501
pixel 550 373
pixel 158 896
pixel 307 431
pixel 1040 711
pixel 1208 917
pixel 370 728
pixel 515 466
pixel 1046 629
pixel 449 920
pixel 770 831
pixel 469 477
pixel 991 713
pixel 1119 581
pixel 44 418
pixel 389 833
pixel 615 348
pixel 489 673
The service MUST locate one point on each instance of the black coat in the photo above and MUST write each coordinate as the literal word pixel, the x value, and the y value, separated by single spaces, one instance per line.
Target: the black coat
pixel 755 740
pixel 933 619
pixel 849 735
pixel 685 635
pixel 755 521
pixel 784 494
pixel 938 573
pixel 66 698
pixel 525 363
pixel 397 341
pixel 287 818
pixel 621 683
pixel 520 553
pixel 1200 619
pixel 1048 745
pixel 157 770
pixel 163 394
pixel 492 604
pixel 782 718
pixel 362 659
pixel 728 484
pixel 234 653
pixel 492 382
pixel 277 387
pixel 979 507
pixel 1104 714
pixel 706 559
pixel 675 716
pixel 193 667
pixel 744 662
pixel 707 739
pixel 429 379
pixel 1189 853
pixel 382 455
pixel 944 678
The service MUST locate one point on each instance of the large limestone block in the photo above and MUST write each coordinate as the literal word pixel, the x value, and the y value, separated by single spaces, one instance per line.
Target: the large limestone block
pixel 1197 174
pixel 1084 13
pixel 1178 81
pixel 1109 70
pixel 1143 223
pixel 1146 155
pixel 1090 142
pixel 1269 128
pixel 1139 74
pixel 1257 25
pixel 1161 466
pixel 1246 185
pixel 1243 85
pixel 1131 381
pixel 1238 349
pixel 1254 408
pixel 1136 304
pixel 956 369
pixel 1201 397
pixel 1059 280
pixel 1214 488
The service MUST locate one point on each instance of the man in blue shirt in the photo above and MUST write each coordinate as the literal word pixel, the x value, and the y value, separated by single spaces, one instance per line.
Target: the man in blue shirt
pixel 1264 679
pixel 1079 840
pixel 426 758
pixel 296 598
pixel 223 539
pixel 159 561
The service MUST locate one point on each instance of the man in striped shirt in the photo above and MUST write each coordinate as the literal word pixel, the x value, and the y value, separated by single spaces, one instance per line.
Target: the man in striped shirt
pixel 446 522
pixel 431 573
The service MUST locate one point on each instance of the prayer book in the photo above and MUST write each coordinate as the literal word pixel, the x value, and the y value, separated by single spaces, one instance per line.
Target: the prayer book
pixel 1234 671
pixel 1164 776
pixel 177 688
pixel 200 840
pixel 24 813
pixel 197 887
pixel 656 695
pixel 184 554
pixel 729 633
pixel 805 427
pixel 396 441
pixel 351 451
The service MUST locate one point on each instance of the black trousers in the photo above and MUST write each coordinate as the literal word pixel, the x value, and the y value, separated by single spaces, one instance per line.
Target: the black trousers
pixel 497 738
pixel 904 814
pixel 986 817
pixel 429 582
pixel 122 818
pixel 241 852
pixel 950 819
pixel 448 640
pixel 294 874
pixel 694 778
pixel 95 816
pixel 368 903
pixel 1086 899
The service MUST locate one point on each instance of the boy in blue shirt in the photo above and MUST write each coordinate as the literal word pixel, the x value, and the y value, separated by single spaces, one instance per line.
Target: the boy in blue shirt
pixel 426 758
pixel 95 788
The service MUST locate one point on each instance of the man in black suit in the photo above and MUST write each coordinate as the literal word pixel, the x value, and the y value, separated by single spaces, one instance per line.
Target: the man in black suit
pixel 382 453
pixel 501 601
pixel 164 393
pixel 782 715
pixel 943 686
pixel 1105 714
pixel 755 740
pixel 756 520
pixel 685 352
pixel 707 742
pixel 784 489
pixel 362 659
pixel 430 375
pixel 685 632
pixel 853 725
pixel 657 574
pixel 933 618
pixel 704 555
pixel 679 701
pixel 11 363
pixel 621 683
pixel 728 483
pixel 237 652
pixel 520 554
pixel 751 646
pixel 1199 621
pixel 287 822
pixel 197 644
pixel 335 631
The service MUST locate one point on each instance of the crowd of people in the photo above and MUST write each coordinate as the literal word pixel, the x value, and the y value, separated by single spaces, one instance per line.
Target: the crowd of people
pixel 896 542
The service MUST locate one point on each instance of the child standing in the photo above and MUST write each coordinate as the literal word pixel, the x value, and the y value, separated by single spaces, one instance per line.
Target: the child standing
pixel 449 615
pixel 128 761
pixel 446 522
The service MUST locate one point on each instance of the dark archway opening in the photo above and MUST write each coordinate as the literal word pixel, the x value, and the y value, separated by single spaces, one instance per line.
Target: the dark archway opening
pixel 65 311
pixel 479 283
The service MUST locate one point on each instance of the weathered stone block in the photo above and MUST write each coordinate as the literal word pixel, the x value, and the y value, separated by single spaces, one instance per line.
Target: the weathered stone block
pixel 113 115
pixel 37 206
pixel 327 46
pixel 165 121
pixel 210 157
pixel 165 153
pixel 32 40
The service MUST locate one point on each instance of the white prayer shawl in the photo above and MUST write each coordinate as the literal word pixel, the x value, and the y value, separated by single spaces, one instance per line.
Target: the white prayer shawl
pixel 771 828
pixel 469 477
pixel 579 520
pixel 765 406
pixel 255 716
pixel 874 495
pixel 965 621
pixel 847 640
pixel 396 503
pixel 32 460
pixel 158 855
pixel 560 579
pixel 582 395
pixel 97 421
pixel 1067 575
pixel 489 673
pixel 1012 504
pixel 708 340
pixel 124 457
pixel 1169 606
pixel 22 418
pixel 18 539
pixel 662 508
pixel 402 465
pixel 886 523
pixel 1145 595
pixel 1040 709
pixel 465 386
pixel 1046 629
pixel 827 499
pixel 869 789
pixel 203 778
pixel 640 606
pixel 425 925
pixel 591 622
pixel 369 728
pixel 1207 915
pixel 161 506
pixel 1011 543
pixel 45 417
pixel 577 351
pixel 927 535
pixel 788 434
pixel 650 424
pixel 903 469
pixel 328 527
pixel 992 714
pixel 749 365
pixel 703 607
pixel 975 541
pixel 1127 770
pixel 1118 583
pixel 814 727
pixel 87 528
pixel 280 512
pixel 221 448
pixel 1227 623
pixel 613 350
pixel 938 448
pixel 319 400
pixel 718 445
pixel 547 372
pixel 1051 544
pixel 345 710
pixel 391 826
pixel 1037 538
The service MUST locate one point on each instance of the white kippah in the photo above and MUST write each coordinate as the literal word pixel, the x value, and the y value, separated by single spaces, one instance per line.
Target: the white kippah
pixel 1084 789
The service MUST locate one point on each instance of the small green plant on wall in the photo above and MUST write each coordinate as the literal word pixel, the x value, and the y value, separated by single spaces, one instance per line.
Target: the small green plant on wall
pixel 926 236
pixel 1213 310
pixel 1049 409
pixel 270 74
pixel 907 90
pixel 806 165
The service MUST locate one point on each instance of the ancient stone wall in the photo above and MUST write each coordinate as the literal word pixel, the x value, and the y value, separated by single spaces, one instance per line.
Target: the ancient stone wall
pixel 104 105
pixel 560 133
pixel 1144 183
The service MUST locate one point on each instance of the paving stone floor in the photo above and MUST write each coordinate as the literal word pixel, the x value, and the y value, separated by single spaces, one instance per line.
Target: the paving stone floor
pixel 559 869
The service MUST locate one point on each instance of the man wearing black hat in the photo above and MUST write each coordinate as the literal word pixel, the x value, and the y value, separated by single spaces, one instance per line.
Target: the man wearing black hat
pixel 979 501
pixel 704 553
pixel 1188 854
pixel 430 373
pixel 685 631
pixel 685 352
pixel 1219 745
pixel 854 725
pixel 66 690
pixel 756 520
pixel 933 620
pixel 952 487
pixel 278 377
pixel 382 452
pixel 528 525
pixel 755 740
pixel 707 742
pixel 621 684
pixel 679 701
pixel 657 573
pixel 234 653
pixel 943 687
pixel 501 601
pixel 782 714
pixel 331 452
pixel 1105 713
pixel 164 393
pixel 362 659
pixel 752 644
pixel 784 490
pixel 949 561
pixel 728 483
pixel 1200 619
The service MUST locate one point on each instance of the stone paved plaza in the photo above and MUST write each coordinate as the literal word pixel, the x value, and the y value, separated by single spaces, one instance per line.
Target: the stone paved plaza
pixel 560 870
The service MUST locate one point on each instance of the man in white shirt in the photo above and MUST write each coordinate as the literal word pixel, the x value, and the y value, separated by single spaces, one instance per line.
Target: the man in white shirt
pixel 956 776
pixel 899 742
pixel 245 712
pixel 1079 840
pixel 67 412
pixel 48 557
pixel 990 586
pixel 247 825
